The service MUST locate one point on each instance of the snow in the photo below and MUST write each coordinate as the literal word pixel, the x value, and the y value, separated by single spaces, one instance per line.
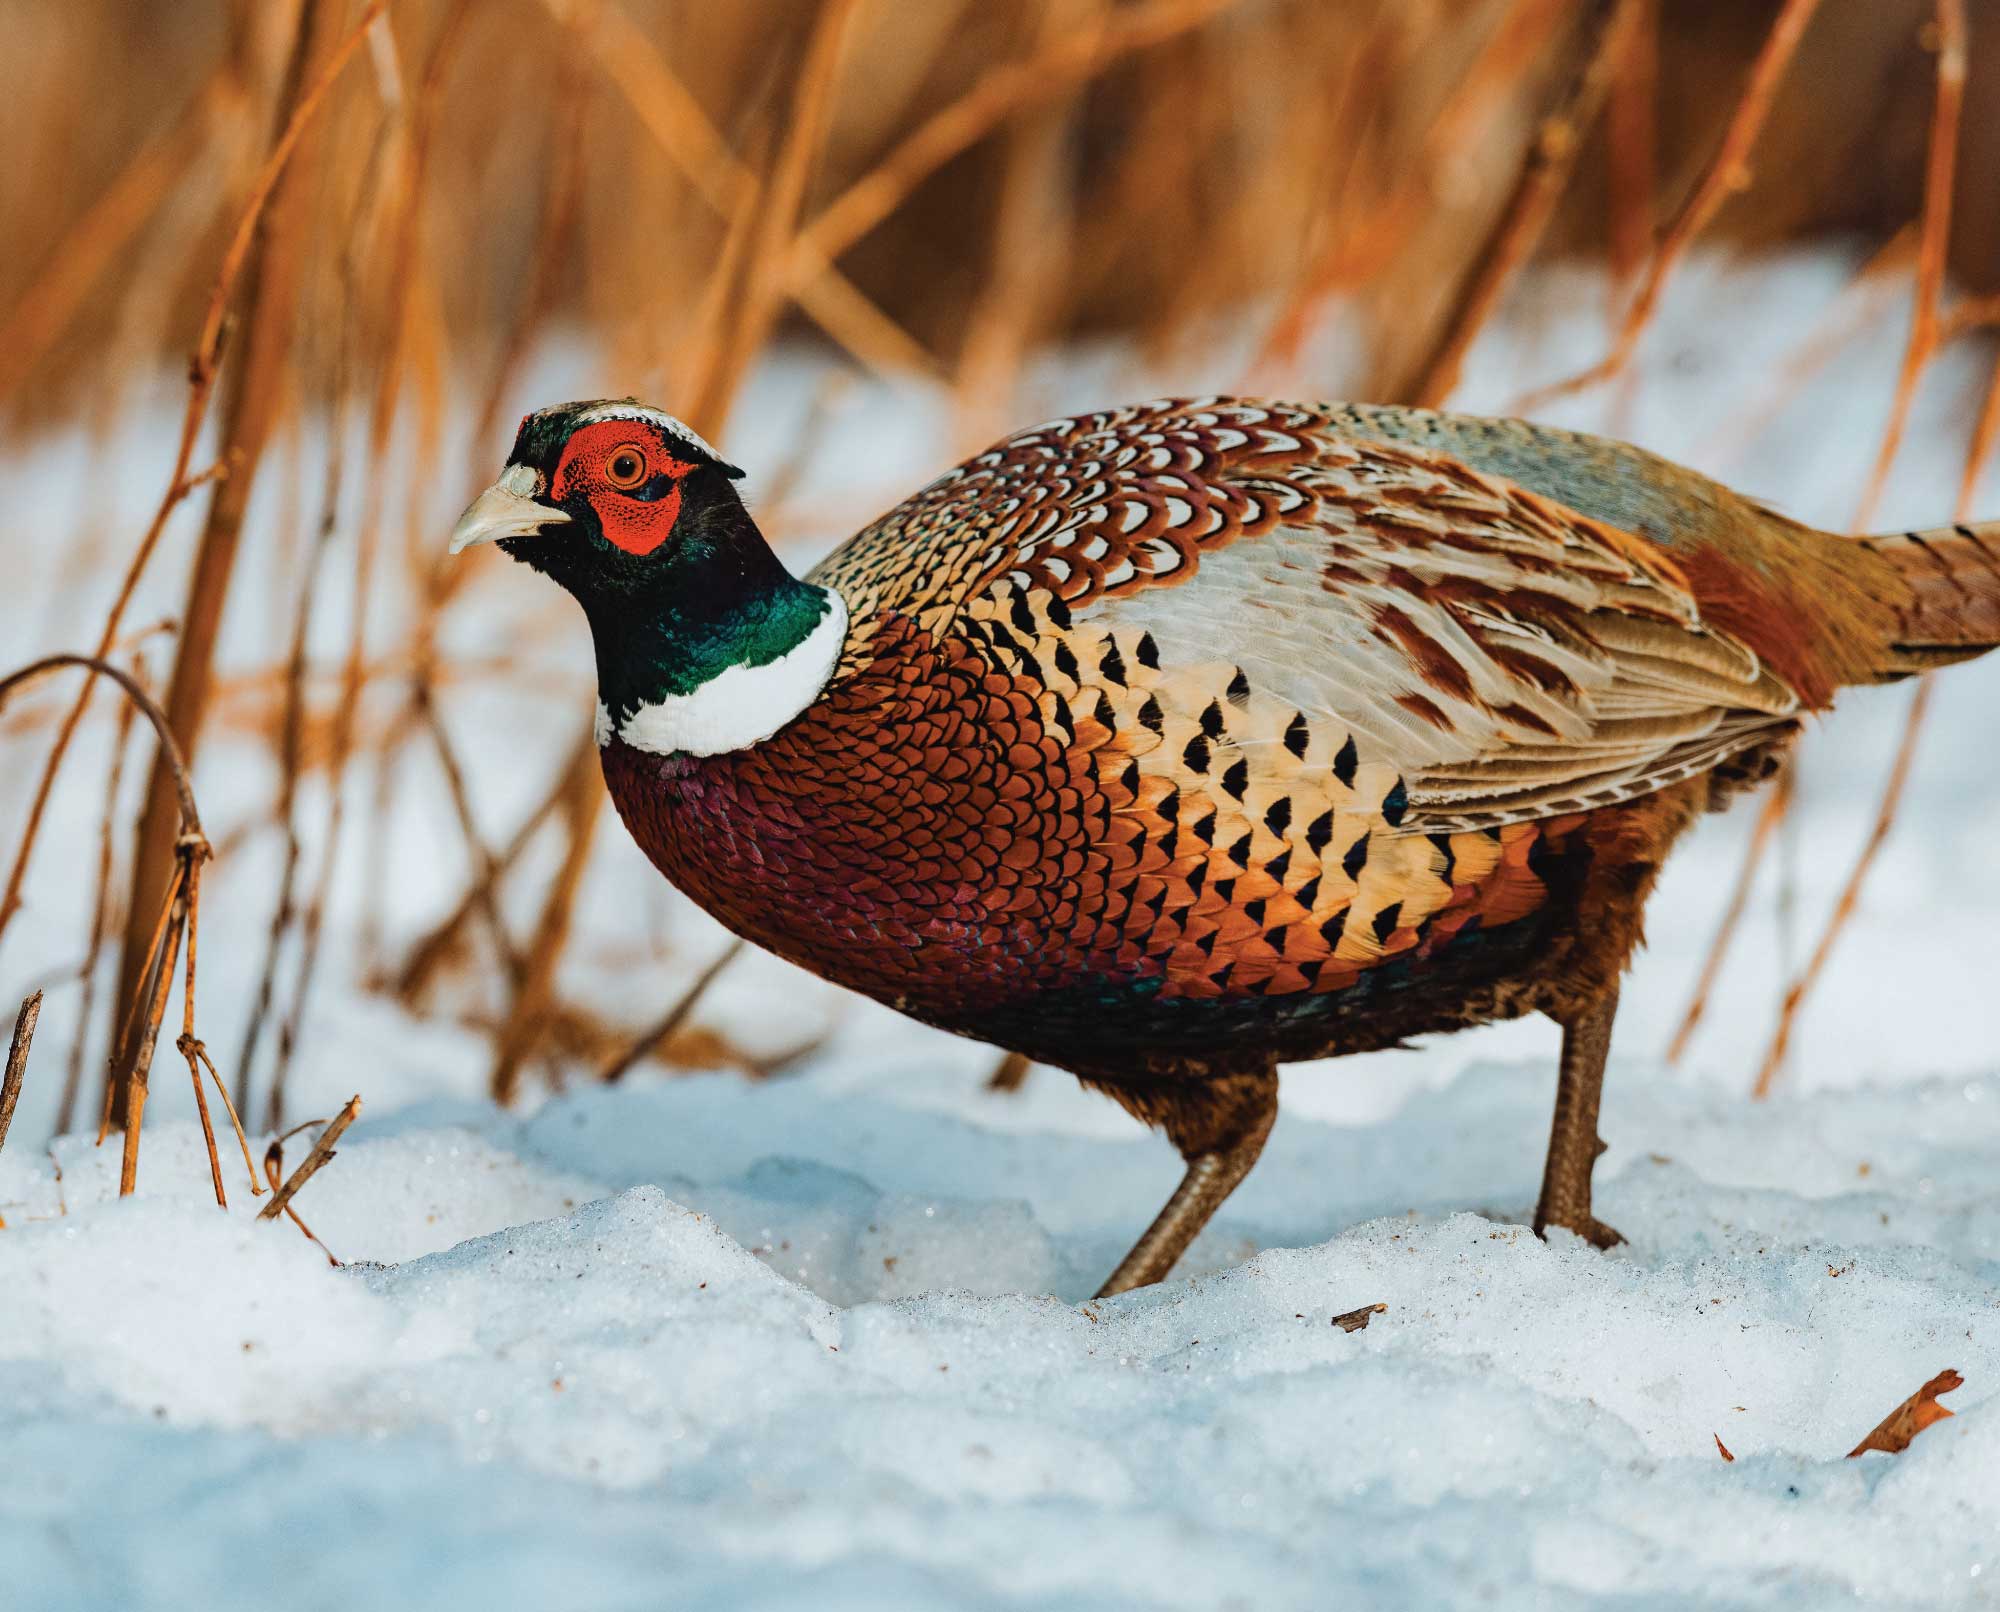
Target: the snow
pixel 823 1340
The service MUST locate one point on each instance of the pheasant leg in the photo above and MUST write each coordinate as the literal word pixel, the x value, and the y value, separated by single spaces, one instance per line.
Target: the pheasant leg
pixel 1220 1135
pixel 1573 1140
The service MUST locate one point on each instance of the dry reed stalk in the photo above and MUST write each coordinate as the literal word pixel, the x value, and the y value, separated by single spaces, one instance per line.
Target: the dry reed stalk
pixel 322 1154
pixel 100 910
pixel 1523 36
pixel 430 953
pixel 534 998
pixel 201 383
pixel 671 115
pixel 135 1084
pixel 1970 314
pixel 1546 167
pixel 758 294
pixel 17 1068
pixel 555 229
pixel 274 1172
pixel 108 226
pixel 1857 307
pixel 1029 254
pixel 1002 91
pixel 1940 173
pixel 486 869
pixel 1631 146
pixel 192 1049
pixel 1776 804
pixel 179 914
pixel 1725 174
pixel 291 743
pixel 1939 180
pixel 438 582
pixel 343 319
pixel 705 332
pixel 17 1062
pixel 401 278
pixel 253 396
pixel 190 1046
pixel 128 1026
pixel 675 1017
pixel 1850 894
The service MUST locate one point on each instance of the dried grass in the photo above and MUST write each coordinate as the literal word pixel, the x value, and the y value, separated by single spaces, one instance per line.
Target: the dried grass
pixel 934 190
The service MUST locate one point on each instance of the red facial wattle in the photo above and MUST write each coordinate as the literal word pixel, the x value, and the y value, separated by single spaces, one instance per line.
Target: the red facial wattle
pixel 621 468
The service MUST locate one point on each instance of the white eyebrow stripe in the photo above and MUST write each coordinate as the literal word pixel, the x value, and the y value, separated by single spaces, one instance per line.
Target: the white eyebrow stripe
pixel 654 417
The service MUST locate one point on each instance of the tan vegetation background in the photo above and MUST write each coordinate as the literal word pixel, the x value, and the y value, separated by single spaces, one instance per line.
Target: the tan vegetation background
pixel 372 215
pixel 1157 182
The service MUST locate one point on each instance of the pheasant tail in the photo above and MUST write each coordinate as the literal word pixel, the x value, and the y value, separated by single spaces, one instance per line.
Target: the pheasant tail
pixel 1953 612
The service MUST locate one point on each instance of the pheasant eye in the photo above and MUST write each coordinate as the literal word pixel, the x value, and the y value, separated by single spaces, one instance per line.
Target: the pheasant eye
pixel 626 467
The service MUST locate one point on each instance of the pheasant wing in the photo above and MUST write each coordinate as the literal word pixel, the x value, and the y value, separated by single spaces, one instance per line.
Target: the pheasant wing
pixel 1508 657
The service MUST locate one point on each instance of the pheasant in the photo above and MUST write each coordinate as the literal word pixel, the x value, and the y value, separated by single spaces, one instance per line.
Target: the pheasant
pixel 1175 742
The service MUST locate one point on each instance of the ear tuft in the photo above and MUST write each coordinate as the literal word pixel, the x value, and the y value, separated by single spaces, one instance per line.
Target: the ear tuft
pixel 729 470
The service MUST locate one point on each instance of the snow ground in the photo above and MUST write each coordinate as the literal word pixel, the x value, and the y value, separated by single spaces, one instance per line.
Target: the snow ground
pixel 819 1341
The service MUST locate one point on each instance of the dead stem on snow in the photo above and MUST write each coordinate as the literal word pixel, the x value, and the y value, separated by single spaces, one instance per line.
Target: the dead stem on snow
pixel 1777 802
pixel 309 1167
pixel 17 1062
pixel 180 915
pixel 100 907
pixel 322 1154
pixel 1934 236
pixel 181 482
pixel 675 1017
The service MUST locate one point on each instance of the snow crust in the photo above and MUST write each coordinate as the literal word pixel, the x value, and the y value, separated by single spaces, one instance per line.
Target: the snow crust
pixel 823 1341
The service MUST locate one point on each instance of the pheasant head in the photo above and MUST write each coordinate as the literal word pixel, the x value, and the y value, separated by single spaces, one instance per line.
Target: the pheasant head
pixel 704 641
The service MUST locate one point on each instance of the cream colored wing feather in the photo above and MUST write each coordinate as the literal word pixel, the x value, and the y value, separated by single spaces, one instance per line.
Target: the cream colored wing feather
pixel 1507 656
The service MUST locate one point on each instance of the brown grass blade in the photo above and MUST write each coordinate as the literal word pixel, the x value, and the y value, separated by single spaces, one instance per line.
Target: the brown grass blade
pixel 1776 804
pixel 201 384
pixel 1725 174
pixel 1935 234
pixel 1003 90
pixel 321 1154
pixel 675 1016
pixel 1545 172
pixel 17 1061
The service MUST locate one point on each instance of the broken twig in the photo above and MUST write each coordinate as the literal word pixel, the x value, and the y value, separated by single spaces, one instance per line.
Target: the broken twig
pixel 676 1016
pixel 17 1061
pixel 321 1154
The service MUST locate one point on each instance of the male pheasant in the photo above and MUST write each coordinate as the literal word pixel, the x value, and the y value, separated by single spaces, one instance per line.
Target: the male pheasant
pixel 1174 742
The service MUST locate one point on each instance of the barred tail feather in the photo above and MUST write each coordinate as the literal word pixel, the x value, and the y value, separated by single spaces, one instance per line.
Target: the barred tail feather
pixel 1953 612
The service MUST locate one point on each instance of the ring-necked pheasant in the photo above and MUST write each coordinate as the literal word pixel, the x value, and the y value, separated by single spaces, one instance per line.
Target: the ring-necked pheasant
pixel 1174 742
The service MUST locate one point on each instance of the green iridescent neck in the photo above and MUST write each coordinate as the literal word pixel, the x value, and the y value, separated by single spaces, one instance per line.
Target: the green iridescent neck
pixel 672 645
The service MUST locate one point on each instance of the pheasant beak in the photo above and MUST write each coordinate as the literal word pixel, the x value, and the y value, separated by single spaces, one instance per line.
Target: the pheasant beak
pixel 506 509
